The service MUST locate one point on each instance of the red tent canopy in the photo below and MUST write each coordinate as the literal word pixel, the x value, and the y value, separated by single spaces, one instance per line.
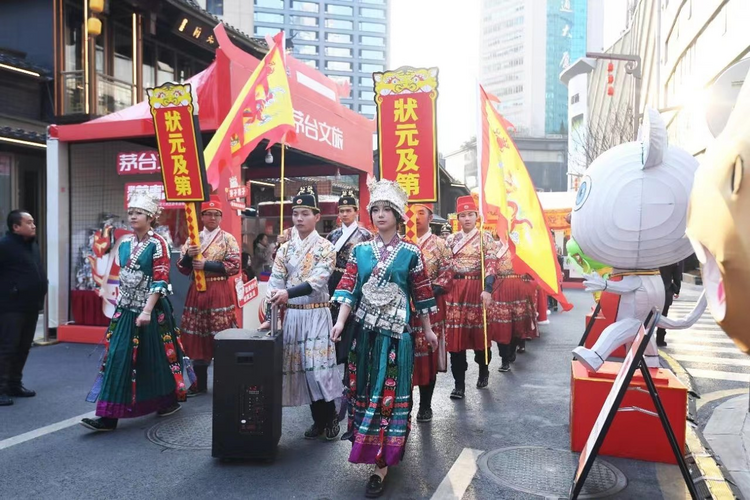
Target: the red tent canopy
pixel 325 128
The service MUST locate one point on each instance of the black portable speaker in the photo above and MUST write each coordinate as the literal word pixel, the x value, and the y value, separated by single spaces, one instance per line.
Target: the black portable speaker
pixel 247 394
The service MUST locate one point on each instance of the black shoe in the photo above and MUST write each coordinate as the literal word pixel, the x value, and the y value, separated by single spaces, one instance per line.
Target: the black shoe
pixel 483 381
pixel 661 342
pixel 512 358
pixel 505 367
pixel 98 425
pixel 458 393
pixel 424 415
pixel 313 432
pixel 5 400
pixel 192 392
pixel 375 487
pixel 521 349
pixel 347 436
pixel 332 430
pixel 21 392
pixel 169 411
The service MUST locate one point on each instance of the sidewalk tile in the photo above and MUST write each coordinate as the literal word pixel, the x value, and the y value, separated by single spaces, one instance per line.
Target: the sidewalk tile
pixel 730 452
pixel 726 421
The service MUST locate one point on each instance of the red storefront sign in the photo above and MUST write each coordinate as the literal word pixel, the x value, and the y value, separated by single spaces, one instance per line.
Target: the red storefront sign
pixel 246 291
pixel 140 162
pixel 407 136
pixel 156 189
pixel 182 171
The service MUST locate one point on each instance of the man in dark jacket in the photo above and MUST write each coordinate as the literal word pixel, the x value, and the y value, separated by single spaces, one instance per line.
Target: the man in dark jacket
pixel 672 278
pixel 23 286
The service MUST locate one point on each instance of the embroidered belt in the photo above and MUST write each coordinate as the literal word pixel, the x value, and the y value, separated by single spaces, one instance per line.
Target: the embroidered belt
pixel 501 276
pixel 467 276
pixel 308 306
pixel 217 278
pixel 339 269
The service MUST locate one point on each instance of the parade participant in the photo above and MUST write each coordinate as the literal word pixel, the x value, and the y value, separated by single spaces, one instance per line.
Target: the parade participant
pixel 143 361
pixel 381 278
pixel 344 239
pixel 212 311
pixel 437 261
pixel 446 231
pixel 464 324
pixel 511 317
pixel 299 281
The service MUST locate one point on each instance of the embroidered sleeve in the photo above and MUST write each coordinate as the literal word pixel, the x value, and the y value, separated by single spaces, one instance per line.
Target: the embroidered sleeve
pixel 421 289
pixel 504 265
pixel 490 255
pixel 232 259
pixel 277 281
pixel 347 291
pixel 160 279
pixel 445 265
pixel 185 262
pixel 323 266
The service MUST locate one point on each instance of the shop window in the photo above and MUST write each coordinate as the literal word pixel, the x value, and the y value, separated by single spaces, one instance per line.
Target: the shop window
pixel 339 24
pixel 372 13
pixel 73 39
pixel 305 35
pixel 305 6
pixel 123 56
pixel 267 17
pixel 215 7
pixel 185 68
pixel 270 4
pixel 372 54
pixel 374 27
pixel 339 65
pixel 338 52
pixel 310 50
pixel 372 40
pixel 370 68
pixel 340 10
pixel 149 67
pixel 304 20
pixel 265 30
pixel 165 66
pixel 338 38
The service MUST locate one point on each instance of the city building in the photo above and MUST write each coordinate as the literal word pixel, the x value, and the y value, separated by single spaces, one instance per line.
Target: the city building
pixel 524 46
pixel 347 40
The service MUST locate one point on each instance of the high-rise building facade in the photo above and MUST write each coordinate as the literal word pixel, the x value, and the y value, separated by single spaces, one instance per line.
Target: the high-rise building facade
pixel 525 45
pixel 345 39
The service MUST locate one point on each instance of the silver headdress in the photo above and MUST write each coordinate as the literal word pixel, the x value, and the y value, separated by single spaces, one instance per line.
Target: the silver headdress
pixel 389 192
pixel 144 200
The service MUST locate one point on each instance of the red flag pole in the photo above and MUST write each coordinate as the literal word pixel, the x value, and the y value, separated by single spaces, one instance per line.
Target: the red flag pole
pixel 281 212
pixel 481 284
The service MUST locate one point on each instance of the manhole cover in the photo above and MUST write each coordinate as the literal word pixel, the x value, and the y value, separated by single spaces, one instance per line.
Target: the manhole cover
pixel 191 432
pixel 548 472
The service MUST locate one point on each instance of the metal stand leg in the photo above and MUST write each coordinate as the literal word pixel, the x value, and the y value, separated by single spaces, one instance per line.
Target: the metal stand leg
pixel 46 340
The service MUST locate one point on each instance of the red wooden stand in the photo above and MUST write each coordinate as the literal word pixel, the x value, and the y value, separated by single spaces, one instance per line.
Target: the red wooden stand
pixel 81 334
pixel 633 434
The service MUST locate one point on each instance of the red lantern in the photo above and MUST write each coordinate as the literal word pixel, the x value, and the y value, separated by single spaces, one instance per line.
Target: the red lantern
pixel 610 79
pixel 610 67
pixel 610 91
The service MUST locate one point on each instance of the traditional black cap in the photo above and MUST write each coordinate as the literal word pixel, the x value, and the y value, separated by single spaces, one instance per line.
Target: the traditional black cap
pixel 446 228
pixel 306 198
pixel 347 199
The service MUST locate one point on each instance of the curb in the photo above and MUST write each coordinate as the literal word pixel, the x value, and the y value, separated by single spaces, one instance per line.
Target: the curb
pixel 709 476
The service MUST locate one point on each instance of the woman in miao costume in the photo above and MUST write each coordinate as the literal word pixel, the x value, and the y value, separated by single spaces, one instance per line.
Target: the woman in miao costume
pixel 382 277
pixel 143 360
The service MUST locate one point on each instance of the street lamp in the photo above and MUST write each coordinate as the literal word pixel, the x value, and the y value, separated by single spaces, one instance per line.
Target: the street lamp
pixel 632 67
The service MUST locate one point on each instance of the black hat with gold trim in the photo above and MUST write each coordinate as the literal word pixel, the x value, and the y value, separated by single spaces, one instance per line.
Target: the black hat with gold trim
pixel 347 199
pixel 446 228
pixel 306 198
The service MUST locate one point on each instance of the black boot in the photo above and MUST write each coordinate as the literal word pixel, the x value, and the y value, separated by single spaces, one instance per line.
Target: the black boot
pixel 458 368
pixel 201 381
pixel 102 424
pixel 504 351
pixel 425 402
pixel 331 428
pixel 660 337
pixel 484 377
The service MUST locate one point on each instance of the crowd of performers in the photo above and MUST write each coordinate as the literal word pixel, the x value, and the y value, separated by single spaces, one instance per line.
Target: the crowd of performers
pixel 387 311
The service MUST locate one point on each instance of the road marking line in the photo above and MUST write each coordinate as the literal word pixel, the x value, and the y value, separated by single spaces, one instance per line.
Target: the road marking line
pixel 718 375
pixel 708 360
pixel 714 396
pixel 43 431
pixel 454 484
pixel 701 338
pixel 676 346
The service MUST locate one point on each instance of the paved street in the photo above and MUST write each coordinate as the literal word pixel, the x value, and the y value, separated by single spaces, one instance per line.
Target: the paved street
pixel 527 407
